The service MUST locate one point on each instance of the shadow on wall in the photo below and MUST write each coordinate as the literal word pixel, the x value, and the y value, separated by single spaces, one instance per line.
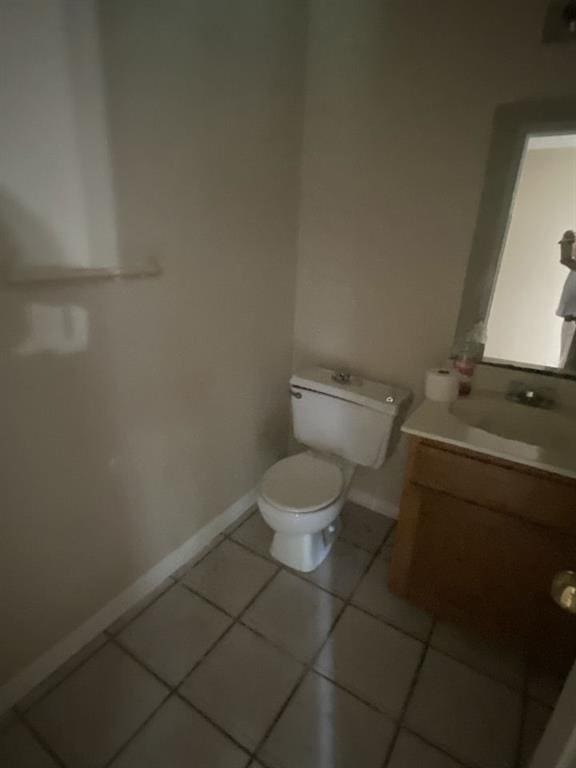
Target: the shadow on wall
pixel 112 455
pixel 133 412
pixel 57 454
pixel 23 233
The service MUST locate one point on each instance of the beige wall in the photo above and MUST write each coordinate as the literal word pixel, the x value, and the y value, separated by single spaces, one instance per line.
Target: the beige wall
pixel 134 412
pixel 55 154
pixel 400 98
pixel 522 322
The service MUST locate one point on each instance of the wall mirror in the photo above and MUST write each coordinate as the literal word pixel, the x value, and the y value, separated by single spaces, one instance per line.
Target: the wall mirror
pixel 58 180
pixel 521 279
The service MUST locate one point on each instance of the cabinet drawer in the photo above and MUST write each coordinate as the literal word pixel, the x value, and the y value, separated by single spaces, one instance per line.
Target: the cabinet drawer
pixel 530 494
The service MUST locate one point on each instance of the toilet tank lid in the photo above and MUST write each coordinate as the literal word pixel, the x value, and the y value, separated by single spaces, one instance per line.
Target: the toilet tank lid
pixel 370 394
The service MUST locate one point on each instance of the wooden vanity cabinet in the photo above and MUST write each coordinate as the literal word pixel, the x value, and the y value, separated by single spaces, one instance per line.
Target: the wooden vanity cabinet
pixel 479 541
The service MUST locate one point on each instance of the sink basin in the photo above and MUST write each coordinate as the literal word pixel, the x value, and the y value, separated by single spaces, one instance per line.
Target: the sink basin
pixel 487 423
pixel 553 430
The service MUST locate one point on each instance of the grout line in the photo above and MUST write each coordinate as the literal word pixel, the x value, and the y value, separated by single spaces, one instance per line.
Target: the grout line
pixel 374 555
pixel 234 621
pixel 275 644
pixel 281 711
pixel 213 723
pixel 404 708
pixel 412 688
pixel 298 574
pixel 425 648
pixel 192 563
pixel 438 748
pixel 40 739
pixel 58 683
pixel 340 537
pixel 117 640
pixel 390 622
pixel 401 720
pixel 307 667
pixel 518 690
pixel 204 655
pixel 254 551
pixel 145 607
pixel 227 532
pixel 197 558
pixel 356 695
pixel 175 582
pixel 114 639
pixel 523 717
pixel 141 663
pixel 138 730
pixel 207 600
pixel 305 577
pixel 172 690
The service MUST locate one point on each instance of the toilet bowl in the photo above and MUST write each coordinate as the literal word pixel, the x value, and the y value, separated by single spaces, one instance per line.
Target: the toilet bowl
pixel 301 498
pixel 344 421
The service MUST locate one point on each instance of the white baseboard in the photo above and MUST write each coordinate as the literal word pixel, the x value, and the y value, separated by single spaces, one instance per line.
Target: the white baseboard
pixel 381 506
pixel 22 683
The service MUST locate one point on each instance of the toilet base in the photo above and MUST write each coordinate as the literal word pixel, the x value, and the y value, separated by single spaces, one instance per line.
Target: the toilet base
pixel 304 552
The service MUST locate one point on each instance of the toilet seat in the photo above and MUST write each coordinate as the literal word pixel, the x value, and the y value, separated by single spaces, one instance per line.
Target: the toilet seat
pixel 302 483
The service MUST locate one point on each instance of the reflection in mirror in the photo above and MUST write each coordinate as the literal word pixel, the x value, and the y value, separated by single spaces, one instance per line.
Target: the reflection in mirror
pixel 531 319
pixel 519 297
pixel 57 188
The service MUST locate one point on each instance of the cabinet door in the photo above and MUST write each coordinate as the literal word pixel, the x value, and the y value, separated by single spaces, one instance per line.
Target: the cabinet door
pixel 484 569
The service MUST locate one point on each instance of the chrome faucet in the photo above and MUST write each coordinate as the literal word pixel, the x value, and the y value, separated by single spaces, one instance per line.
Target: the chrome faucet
pixel 537 397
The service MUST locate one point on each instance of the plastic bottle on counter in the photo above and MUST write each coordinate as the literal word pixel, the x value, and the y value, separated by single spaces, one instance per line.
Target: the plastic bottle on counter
pixel 468 356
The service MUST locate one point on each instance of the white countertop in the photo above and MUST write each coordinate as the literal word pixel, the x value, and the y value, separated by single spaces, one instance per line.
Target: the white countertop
pixel 435 421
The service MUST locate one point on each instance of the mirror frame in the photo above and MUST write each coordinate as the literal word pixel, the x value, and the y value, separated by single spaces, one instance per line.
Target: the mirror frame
pixel 512 124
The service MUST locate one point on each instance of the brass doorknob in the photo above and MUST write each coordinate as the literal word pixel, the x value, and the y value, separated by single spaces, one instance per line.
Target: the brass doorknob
pixel 564 590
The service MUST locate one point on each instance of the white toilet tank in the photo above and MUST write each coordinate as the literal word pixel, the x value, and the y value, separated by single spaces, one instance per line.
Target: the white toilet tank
pixel 356 419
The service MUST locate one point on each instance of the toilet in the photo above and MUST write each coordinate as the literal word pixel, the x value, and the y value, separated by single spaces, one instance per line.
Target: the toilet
pixel 344 421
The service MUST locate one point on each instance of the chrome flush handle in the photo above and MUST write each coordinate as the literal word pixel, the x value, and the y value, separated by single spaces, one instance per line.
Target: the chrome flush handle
pixel 342 376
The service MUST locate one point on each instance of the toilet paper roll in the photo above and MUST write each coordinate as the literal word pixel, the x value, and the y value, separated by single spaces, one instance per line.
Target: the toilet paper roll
pixel 441 385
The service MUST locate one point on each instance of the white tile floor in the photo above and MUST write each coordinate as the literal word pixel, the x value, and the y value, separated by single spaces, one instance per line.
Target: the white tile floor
pixel 237 662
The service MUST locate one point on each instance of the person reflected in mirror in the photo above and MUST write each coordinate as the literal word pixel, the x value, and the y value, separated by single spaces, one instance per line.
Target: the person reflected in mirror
pixel 567 306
